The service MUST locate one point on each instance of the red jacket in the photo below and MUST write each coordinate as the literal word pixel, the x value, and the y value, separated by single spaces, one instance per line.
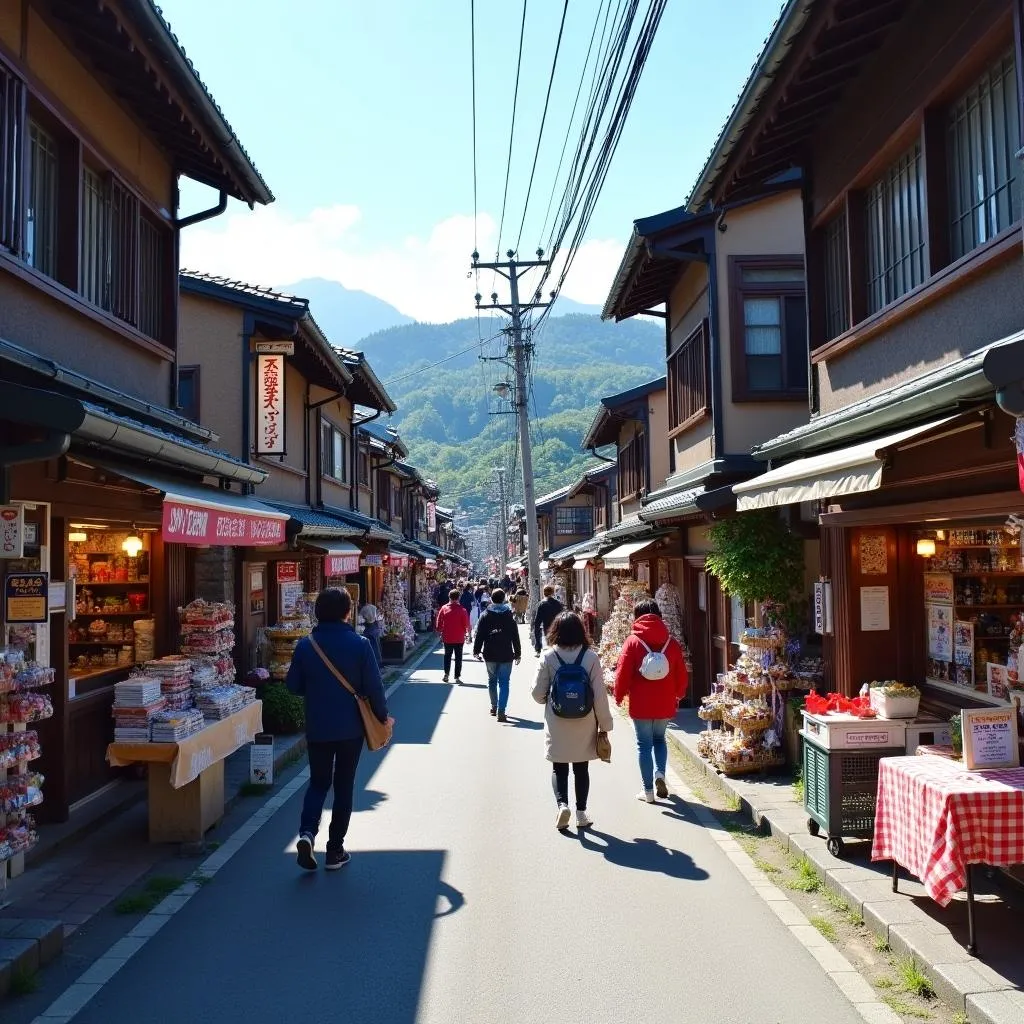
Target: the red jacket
pixel 452 623
pixel 650 698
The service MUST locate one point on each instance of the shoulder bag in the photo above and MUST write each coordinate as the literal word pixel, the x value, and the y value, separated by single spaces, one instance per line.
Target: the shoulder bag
pixel 604 741
pixel 378 733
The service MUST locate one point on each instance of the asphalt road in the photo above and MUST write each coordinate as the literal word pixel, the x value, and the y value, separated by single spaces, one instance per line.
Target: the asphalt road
pixel 462 903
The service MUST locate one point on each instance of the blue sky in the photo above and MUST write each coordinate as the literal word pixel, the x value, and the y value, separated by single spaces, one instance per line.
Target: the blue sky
pixel 359 117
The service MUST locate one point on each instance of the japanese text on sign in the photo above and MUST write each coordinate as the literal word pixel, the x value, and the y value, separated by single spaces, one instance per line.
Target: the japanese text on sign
pixel 26 597
pixel 270 405
pixel 12 531
pixel 195 524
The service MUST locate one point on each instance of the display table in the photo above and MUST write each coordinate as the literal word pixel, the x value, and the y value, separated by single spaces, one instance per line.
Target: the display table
pixel 937 819
pixel 186 779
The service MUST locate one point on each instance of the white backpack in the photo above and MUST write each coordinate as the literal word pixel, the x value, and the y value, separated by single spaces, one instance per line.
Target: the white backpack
pixel 655 664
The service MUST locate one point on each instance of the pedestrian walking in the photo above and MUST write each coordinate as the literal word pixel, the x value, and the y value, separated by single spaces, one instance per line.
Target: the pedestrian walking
pixel 452 625
pixel 334 726
pixel 572 740
pixel 440 593
pixel 467 602
pixel 369 616
pixel 497 636
pixel 546 613
pixel 652 673
pixel 506 583
pixel 520 603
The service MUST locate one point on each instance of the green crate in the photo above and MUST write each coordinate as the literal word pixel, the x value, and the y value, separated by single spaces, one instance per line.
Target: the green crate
pixel 840 789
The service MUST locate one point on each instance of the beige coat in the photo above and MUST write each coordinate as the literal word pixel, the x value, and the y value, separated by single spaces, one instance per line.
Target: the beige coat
pixel 573 739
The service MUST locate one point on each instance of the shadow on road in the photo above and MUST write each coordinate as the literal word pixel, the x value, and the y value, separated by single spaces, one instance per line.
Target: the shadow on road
pixel 642 855
pixel 524 723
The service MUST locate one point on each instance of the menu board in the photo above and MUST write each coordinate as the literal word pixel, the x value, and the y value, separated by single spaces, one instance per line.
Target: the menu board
pixel 990 738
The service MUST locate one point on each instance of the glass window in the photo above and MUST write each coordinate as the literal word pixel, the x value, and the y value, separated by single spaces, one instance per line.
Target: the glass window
pixel 339 455
pixel 41 221
pixel 188 392
pixel 895 231
pixel 574 520
pixel 326 450
pixel 94 252
pixel 11 96
pixel 837 280
pixel 984 136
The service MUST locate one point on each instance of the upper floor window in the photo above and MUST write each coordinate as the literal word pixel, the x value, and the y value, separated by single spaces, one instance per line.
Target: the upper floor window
pixel 769 333
pixel 688 394
pixel 11 189
pixel 632 467
pixel 574 521
pixel 984 136
pixel 895 231
pixel 363 462
pixel 41 218
pixel 836 278
pixel 383 494
pixel 333 447
pixel 188 392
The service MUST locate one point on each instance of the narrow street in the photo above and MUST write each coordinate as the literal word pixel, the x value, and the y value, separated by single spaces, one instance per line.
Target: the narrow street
pixel 463 902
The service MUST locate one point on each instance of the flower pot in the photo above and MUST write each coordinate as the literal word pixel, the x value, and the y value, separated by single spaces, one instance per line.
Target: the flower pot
pixel 894 707
pixel 392 650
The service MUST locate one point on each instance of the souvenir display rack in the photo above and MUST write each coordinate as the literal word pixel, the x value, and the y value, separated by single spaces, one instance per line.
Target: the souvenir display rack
pixel 283 637
pixel 22 703
pixel 748 703
pixel 208 632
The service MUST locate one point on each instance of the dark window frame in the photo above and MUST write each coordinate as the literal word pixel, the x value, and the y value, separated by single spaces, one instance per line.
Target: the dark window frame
pixel 633 467
pixel 363 468
pixel 568 518
pixel 194 372
pixel 332 467
pixel 793 390
pixel 689 381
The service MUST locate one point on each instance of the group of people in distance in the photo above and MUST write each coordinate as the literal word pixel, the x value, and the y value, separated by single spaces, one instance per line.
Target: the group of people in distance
pixel 569 682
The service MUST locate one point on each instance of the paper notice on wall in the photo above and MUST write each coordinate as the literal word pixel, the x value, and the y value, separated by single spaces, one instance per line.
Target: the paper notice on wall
pixel 940 632
pixel 874 609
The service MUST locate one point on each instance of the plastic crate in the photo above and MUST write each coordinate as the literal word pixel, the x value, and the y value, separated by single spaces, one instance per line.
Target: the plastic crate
pixel 847 732
pixel 840 790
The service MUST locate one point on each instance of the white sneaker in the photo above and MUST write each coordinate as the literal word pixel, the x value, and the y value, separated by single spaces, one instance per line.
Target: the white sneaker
pixel 660 787
pixel 583 820
pixel 562 821
pixel 646 795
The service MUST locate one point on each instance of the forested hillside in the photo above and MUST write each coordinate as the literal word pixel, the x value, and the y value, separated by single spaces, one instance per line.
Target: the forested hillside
pixel 445 410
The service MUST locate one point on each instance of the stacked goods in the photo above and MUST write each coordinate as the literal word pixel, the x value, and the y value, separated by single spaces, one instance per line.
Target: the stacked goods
pixel 18 746
pixel 26 707
pixel 175 726
pixel 175 675
pixel 145 640
pixel 17 838
pixel 619 625
pixel 205 675
pixel 208 631
pixel 671 609
pixel 394 610
pixel 18 675
pixel 17 792
pixel 136 701
pixel 221 702
pixel 283 637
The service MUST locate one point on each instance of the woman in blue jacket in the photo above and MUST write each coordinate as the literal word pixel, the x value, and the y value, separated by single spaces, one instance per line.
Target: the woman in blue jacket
pixel 334 728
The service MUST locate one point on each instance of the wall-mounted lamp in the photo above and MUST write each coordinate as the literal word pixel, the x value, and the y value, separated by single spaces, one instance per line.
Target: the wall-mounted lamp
pixel 926 547
pixel 132 544
pixel 77 537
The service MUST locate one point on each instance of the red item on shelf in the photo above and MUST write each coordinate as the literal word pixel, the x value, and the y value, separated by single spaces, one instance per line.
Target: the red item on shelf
pixel 837 704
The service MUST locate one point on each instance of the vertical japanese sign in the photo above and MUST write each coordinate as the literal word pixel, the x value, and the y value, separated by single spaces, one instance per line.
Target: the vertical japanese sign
pixel 12 531
pixel 270 433
pixel 431 516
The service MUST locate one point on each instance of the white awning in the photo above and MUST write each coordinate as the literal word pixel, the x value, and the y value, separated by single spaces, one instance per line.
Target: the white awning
pixel 852 470
pixel 618 558
pixel 581 563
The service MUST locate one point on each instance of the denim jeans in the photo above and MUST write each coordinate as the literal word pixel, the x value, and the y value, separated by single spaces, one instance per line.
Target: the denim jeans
pixel 498 675
pixel 650 737
pixel 331 764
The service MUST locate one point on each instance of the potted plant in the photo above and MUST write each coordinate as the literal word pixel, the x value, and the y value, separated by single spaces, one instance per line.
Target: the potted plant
pixel 956 735
pixel 891 699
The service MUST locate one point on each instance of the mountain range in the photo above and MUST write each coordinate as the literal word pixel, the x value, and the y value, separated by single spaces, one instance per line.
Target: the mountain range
pixel 448 415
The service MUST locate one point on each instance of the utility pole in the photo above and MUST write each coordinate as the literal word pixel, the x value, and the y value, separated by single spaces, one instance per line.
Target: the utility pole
pixel 512 271
pixel 503 515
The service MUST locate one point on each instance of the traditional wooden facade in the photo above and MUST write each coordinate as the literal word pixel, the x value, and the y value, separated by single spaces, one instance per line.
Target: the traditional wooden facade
pixel 905 119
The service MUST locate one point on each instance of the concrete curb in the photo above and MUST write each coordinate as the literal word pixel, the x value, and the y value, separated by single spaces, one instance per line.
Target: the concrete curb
pixel 960 980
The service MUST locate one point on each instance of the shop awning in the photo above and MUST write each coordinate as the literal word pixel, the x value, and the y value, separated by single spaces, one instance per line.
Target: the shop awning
pixel 198 515
pixel 852 470
pixel 340 557
pixel 618 558
pixel 581 563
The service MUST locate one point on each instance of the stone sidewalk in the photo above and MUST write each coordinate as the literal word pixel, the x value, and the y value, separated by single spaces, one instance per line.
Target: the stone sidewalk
pixel 986 988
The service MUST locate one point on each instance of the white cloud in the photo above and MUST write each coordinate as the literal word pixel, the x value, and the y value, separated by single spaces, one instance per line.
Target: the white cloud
pixel 424 277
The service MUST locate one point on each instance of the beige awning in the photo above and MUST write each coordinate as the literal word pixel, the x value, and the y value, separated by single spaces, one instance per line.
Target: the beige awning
pixel 581 563
pixel 852 470
pixel 618 558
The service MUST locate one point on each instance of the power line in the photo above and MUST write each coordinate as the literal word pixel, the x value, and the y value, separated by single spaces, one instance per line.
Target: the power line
pixel 512 130
pixel 543 119
pixel 430 366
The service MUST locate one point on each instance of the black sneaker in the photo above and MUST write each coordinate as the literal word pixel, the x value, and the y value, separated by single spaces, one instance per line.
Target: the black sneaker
pixel 337 859
pixel 501 716
pixel 494 711
pixel 444 678
pixel 304 853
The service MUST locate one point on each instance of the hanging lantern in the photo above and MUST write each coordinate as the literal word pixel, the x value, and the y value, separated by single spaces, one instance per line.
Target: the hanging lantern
pixel 132 544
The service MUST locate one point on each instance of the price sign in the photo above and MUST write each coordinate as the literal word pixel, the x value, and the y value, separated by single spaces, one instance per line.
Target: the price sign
pixel 990 738
pixel 26 597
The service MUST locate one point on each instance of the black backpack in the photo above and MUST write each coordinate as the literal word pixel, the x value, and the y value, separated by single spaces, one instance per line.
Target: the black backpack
pixel 570 693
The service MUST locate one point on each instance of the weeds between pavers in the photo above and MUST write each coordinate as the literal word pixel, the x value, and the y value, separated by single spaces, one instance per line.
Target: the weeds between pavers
pixel 897 1005
pixel 960 1018
pixel 24 982
pixel 154 892
pixel 807 878
pixel 824 926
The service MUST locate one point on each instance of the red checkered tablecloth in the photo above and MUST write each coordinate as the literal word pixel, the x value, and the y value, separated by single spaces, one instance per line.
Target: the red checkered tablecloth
pixel 934 817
